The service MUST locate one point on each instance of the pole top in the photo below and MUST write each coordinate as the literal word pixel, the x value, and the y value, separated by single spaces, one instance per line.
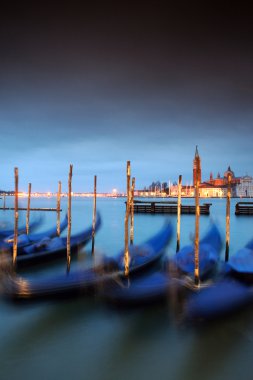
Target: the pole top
pixel 128 168
pixel 196 152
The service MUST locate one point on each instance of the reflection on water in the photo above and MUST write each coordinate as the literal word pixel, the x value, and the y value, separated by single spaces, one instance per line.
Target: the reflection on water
pixel 87 338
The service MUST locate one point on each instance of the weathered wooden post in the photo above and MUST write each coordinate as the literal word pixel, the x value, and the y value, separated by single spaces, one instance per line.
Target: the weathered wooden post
pixel 28 208
pixel 94 214
pixel 15 239
pixel 197 215
pixel 58 224
pixel 69 217
pixel 179 211
pixel 126 253
pixel 228 217
pixel 132 212
pixel 4 202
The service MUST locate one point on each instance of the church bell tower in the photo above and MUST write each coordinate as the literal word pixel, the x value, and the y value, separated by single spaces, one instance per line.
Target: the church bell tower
pixel 196 167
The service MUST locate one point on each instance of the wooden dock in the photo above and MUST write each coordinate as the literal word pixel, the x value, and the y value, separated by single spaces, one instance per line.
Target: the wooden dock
pixel 244 208
pixel 165 207
pixel 31 209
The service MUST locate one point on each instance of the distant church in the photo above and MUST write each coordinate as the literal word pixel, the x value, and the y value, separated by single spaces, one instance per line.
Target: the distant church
pixel 214 187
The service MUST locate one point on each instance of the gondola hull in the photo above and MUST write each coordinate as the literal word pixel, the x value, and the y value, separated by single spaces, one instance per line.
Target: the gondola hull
pixel 221 299
pixel 55 248
pixel 86 280
pixel 154 287
pixel 21 230
pixel 209 249
pixel 24 240
pixel 240 265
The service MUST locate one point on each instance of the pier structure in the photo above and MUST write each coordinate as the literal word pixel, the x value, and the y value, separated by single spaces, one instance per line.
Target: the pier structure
pixel 168 207
pixel 244 208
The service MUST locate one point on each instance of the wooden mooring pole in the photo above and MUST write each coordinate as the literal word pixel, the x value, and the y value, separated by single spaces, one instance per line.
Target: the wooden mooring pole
pixel 58 207
pixel 28 208
pixel 179 211
pixel 132 212
pixel 197 215
pixel 94 214
pixel 15 239
pixel 4 205
pixel 228 217
pixel 69 217
pixel 126 252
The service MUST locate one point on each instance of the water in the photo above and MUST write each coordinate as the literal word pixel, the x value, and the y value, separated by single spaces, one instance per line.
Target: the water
pixel 83 338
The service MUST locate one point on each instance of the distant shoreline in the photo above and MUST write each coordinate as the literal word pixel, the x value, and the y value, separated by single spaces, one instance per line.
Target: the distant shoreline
pixel 108 195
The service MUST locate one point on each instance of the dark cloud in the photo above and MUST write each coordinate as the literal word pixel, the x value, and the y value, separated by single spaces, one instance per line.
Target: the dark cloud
pixel 107 82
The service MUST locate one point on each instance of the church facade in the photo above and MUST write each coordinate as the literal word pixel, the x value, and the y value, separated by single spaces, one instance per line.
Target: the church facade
pixel 245 187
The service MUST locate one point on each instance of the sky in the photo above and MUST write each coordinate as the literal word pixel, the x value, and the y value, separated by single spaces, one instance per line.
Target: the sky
pixel 97 85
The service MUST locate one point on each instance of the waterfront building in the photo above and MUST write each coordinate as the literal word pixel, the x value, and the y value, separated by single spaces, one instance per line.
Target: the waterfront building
pixel 245 187
pixel 217 187
pixel 207 190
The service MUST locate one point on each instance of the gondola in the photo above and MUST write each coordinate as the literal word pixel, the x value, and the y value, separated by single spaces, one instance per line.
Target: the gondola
pixel 221 299
pixel 233 291
pixel 156 286
pixel 209 249
pixel 25 240
pixel 146 289
pixel 51 249
pixel 4 233
pixel 84 280
pixel 240 264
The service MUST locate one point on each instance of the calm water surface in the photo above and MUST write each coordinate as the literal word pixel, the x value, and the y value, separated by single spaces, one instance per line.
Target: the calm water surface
pixel 82 338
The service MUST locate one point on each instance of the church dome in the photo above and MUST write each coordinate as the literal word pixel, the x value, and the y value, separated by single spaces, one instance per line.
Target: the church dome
pixel 229 171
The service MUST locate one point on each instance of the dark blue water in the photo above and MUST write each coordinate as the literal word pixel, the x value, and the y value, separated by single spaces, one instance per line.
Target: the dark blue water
pixel 83 338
